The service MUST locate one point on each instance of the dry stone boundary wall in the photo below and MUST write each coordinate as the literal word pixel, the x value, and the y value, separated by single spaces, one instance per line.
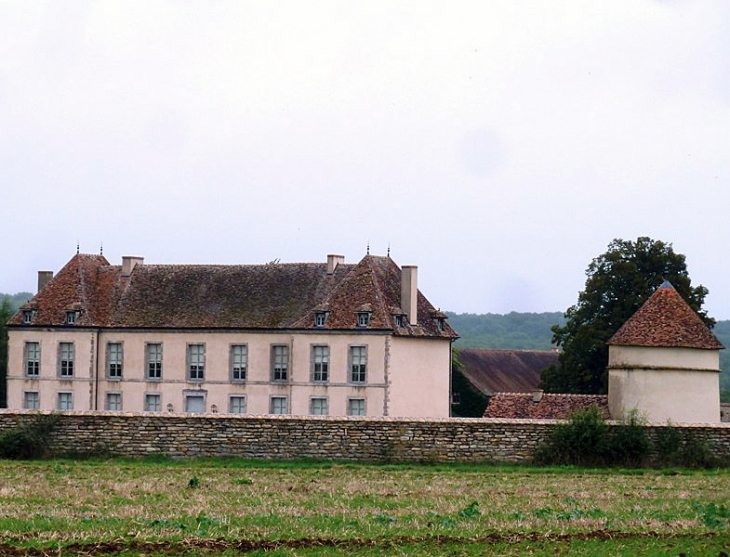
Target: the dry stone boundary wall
pixel 292 437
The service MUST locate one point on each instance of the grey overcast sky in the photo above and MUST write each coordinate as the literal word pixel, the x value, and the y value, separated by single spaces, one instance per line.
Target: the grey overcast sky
pixel 498 145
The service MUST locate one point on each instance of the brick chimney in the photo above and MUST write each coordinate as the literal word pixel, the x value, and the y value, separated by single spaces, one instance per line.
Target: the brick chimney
pixel 409 292
pixel 333 261
pixel 44 277
pixel 129 262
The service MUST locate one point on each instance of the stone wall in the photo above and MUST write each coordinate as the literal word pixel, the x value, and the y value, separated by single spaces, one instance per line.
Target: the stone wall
pixel 290 437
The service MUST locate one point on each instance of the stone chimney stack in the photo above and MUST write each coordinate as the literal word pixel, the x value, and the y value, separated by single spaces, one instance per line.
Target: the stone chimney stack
pixel 129 262
pixel 333 261
pixel 409 292
pixel 44 277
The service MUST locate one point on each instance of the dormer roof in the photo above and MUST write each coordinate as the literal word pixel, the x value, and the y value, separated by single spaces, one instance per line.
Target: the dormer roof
pixel 666 320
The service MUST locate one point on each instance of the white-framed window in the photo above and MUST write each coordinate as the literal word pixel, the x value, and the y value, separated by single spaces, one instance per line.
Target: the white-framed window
pixel 195 403
pixel 363 318
pixel 153 360
pixel 278 405
pixel 66 359
pixel 71 317
pixel 356 407
pixel 320 363
pixel 239 361
pixel 32 356
pixel 153 402
pixel 114 360
pixel 318 406
pixel 398 320
pixel 196 362
pixel 237 404
pixel 65 401
pixel 27 316
pixel 31 400
pixel 320 318
pixel 279 362
pixel 113 402
pixel 358 364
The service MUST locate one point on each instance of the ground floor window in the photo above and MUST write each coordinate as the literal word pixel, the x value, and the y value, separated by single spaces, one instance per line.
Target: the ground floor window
pixel 31 400
pixel 318 406
pixel 65 401
pixel 113 402
pixel 195 404
pixel 278 405
pixel 355 406
pixel 237 405
pixel 152 403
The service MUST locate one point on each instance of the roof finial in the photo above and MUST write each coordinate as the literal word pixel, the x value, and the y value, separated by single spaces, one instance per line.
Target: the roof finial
pixel 388 250
pixel 78 247
pixel 368 250
pixel 101 248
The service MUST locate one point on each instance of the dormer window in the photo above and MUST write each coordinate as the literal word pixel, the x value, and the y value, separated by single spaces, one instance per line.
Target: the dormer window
pixel 398 320
pixel 363 318
pixel 320 318
pixel 71 317
pixel 27 316
pixel 440 324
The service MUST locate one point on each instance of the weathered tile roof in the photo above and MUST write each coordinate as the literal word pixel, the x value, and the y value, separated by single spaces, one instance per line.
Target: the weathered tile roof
pixel 270 296
pixel 493 371
pixel 548 407
pixel 665 320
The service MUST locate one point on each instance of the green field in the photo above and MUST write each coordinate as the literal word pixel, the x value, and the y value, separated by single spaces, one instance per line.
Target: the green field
pixel 232 507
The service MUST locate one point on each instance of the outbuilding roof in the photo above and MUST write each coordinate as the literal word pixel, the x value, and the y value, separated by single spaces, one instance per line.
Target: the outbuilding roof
pixel 666 320
pixel 539 406
pixel 492 371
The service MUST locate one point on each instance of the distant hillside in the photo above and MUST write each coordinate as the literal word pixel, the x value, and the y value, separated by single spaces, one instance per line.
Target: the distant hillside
pixel 17 300
pixel 519 331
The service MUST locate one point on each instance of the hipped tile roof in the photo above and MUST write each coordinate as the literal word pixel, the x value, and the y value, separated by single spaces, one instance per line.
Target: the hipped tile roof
pixel 271 296
pixel 665 320
pixel 493 371
pixel 549 407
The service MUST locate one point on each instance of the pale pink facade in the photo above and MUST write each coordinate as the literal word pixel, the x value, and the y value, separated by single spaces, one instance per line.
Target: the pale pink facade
pixel 298 371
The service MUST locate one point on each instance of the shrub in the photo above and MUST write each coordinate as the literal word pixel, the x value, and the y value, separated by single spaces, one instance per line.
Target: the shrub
pixel 28 440
pixel 582 441
pixel 629 444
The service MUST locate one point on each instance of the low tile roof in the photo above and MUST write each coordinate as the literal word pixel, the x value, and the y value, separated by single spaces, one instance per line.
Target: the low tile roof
pixel 665 320
pixel 492 371
pixel 549 407
pixel 270 296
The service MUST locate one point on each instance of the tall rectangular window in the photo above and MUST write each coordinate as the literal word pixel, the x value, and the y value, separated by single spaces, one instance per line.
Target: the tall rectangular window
pixel 153 403
pixel 196 362
pixel 32 356
pixel 113 402
pixel 153 360
pixel 278 405
pixel 239 362
pixel 66 359
pixel 320 363
pixel 31 400
pixel 358 364
pixel 114 360
pixel 237 404
pixel 65 401
pixel 279 363
pixel 318 406
pixel 355 406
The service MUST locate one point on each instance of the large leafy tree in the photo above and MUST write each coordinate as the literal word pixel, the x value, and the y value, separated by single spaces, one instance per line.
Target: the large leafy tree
pixel 619 282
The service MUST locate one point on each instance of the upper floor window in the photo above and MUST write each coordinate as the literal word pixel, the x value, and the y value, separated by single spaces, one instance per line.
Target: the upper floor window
pixel 440 323
pixel 398 320
pixel 196 362
pixel 279 363
pixel 27 316
pixel 153 357
pixel 320 318
pixel 358 364
pixel 239 362
pixel 320 363
pixel 32 356
pixel 114 360
pixel 363 318
pixel 66 359
pixel 71 317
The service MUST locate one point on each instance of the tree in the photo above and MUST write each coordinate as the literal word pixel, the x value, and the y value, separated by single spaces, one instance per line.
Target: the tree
pixel 619 282
pixel 6 312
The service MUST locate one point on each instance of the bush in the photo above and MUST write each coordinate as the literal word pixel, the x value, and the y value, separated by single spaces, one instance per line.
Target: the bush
pixel 28 440
pixel 629 444
pixel 582 441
